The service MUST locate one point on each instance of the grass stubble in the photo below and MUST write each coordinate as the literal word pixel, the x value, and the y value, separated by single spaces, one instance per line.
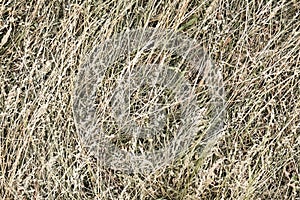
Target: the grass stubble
pixel 255 43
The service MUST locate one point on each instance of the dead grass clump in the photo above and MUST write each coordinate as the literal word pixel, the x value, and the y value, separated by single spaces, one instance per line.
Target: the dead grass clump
pixel 254 43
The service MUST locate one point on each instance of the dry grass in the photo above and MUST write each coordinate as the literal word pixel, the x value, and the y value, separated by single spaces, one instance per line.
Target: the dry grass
pixel 256 43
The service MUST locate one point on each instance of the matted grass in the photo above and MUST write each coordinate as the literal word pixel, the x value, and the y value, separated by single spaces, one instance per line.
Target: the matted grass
pixel 255 43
